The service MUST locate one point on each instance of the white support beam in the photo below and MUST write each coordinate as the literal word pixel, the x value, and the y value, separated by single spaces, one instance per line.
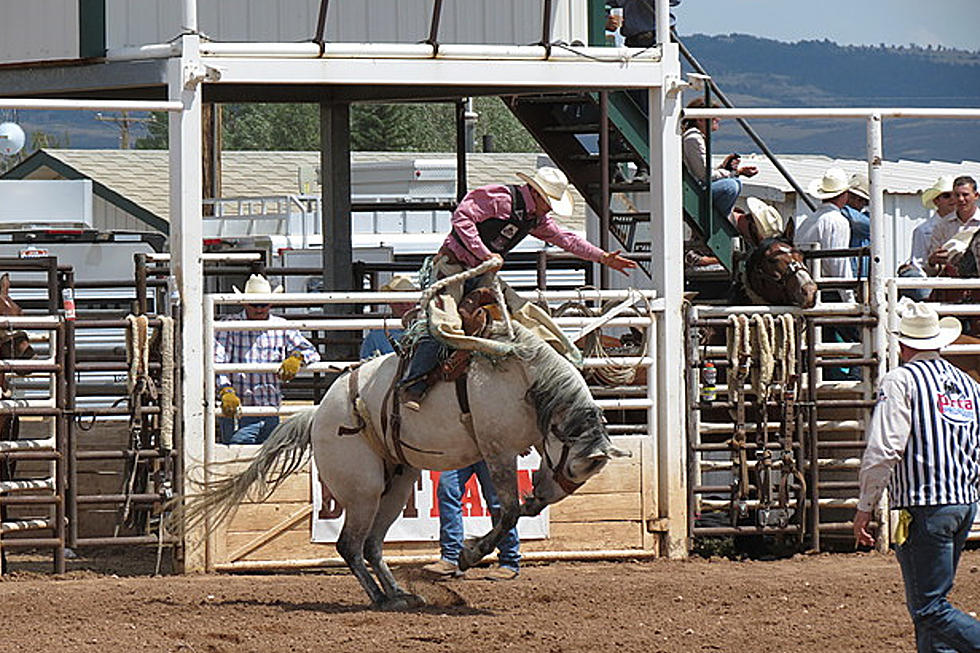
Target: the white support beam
pixel 667 270
pixel 185 256
pixel 576 73
pixel 89 105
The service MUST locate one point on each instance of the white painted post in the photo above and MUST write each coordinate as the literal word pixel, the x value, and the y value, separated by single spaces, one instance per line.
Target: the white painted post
pixel 185 259
pixel 876 278
pixel 667 271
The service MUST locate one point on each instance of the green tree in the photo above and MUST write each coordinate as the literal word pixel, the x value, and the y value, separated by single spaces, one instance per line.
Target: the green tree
pixel 156 133
pixel 270 127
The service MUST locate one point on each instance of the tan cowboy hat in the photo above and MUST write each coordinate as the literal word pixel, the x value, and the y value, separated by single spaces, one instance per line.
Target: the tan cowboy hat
pixel 767 219
pixel 833 183
pixel 860 186
pixel 553 186
pixel 921 328
pixel 943 185
pixel 399 283
pixel 258 285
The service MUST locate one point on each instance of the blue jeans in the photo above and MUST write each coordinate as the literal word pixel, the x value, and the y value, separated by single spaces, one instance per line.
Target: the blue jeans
pixel 724 192
pixel 929 558
pixel 251 430
pixel 452 486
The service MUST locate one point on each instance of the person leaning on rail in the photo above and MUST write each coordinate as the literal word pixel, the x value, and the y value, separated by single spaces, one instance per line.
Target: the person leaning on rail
pixel 924 446
pixel 489 222
pixel 284 346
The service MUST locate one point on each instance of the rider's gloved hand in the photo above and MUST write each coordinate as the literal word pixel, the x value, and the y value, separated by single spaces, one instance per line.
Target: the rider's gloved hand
pixel 498 260
pixel 290 367
pixel 230 403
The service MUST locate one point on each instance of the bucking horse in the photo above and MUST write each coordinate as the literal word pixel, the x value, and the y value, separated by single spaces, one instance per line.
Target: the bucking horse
pixel 370 455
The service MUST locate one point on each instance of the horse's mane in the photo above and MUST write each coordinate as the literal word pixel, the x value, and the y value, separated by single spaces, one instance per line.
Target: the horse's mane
pixel 557 388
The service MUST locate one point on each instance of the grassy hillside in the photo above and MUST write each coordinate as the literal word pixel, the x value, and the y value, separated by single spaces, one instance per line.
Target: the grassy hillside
pixel 762 72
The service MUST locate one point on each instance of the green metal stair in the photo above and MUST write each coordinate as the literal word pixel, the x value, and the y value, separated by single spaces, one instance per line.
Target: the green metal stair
pixel 567 127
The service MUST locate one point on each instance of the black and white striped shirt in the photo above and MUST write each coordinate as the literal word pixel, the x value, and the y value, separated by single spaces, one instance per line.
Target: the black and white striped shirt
pixel 924 438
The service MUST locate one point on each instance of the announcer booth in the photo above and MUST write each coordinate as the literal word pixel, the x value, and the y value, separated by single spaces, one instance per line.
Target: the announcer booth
pixel 186 58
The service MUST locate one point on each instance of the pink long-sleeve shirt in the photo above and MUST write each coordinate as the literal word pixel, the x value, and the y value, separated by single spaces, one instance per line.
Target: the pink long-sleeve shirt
pixel 494 201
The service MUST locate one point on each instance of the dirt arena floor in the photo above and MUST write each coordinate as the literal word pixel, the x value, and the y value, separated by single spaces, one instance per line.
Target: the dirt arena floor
pixel 822 603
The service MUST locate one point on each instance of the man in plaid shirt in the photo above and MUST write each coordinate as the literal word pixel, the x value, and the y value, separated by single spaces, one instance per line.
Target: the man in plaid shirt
pixel 285 346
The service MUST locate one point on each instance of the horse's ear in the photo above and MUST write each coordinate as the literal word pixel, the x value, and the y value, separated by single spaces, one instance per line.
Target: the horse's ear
pixel 5 284
pixel 790 231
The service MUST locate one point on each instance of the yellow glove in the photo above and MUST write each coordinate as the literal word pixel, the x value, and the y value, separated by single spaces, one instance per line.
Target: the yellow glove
pixel 230 403
pixel 290 367
pixel 902 529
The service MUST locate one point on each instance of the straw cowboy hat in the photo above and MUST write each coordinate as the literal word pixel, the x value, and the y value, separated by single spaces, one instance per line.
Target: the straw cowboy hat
pixel 767 219
pixel 921 328
pixel 257 285
pixel 399 283
pixel 943 185
pixel 553 186
pixel 860 186
pixel 833 183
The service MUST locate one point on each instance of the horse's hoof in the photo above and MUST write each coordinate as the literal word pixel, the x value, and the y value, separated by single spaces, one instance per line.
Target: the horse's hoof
pixel 468 557
pixel 400 603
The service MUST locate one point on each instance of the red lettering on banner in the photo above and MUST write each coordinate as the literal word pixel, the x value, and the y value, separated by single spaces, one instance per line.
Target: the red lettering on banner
pixel 524 485
pixel 434 511
pixel 471 500
pixel 948 402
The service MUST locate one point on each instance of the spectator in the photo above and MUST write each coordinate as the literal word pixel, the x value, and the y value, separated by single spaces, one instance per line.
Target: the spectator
pixel 378 341
pixel 637 23
pixel 452 487
pixel 953 233
pixel 940 198
pixel 284 346
pixel 922 446
pixel 856 212
pixel 828 227
pixel 725 183
pixel 489 222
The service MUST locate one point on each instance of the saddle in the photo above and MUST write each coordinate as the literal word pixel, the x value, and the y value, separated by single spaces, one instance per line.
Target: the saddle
pixel 477 310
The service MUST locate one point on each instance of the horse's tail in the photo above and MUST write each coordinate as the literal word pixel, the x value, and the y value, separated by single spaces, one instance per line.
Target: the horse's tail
pixel 281 455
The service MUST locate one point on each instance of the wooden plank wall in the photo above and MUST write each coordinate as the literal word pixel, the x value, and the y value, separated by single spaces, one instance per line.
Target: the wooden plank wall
pixel 606 513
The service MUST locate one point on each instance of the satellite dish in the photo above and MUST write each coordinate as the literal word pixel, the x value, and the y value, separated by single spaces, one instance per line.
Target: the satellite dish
pixel 11 138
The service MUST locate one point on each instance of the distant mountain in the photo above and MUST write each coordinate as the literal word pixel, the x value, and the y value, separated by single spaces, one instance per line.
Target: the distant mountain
pixel 755 72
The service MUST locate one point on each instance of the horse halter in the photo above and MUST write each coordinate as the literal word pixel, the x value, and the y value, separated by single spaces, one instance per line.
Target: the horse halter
pixel 558 469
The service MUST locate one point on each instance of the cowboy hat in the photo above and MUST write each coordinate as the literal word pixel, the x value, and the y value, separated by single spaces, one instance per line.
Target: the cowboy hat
pixel 943 185
pixel 257 285
pixel 767 219
pixel 860 186
pixel 552 184
pixel 957 245
pixel 833 183
pixel 921 328
pixel 399 283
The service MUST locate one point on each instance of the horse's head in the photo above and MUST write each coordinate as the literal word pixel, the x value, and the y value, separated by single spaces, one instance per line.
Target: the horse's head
pixel 575 445
pixel 776 274
pixel 13 344
pixel 577 449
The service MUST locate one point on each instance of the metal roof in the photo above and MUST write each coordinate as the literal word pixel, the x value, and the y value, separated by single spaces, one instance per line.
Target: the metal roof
pixel 899 177
pixel 142 176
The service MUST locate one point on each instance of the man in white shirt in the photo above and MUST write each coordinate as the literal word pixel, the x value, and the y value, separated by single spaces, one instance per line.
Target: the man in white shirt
pixel 962 223
pixel 828 227
pixel 939 197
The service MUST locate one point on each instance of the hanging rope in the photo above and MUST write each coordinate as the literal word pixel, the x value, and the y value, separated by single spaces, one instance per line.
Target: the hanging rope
pixel 167 383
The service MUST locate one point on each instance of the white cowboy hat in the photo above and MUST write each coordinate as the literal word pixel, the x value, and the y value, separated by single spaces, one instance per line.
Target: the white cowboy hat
pixel 943 185
pixel 833 183
pixel 257 285
pixel 553 186
pixel 767 219
pixel 920 327
pixel 957 245
pixel 399 283
pixel 860 186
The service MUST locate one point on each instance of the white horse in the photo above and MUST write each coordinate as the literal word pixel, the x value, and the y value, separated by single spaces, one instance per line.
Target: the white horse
pixel 533 398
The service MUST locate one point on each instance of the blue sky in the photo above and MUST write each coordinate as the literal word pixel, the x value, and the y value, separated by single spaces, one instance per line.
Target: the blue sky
pixel 951 23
